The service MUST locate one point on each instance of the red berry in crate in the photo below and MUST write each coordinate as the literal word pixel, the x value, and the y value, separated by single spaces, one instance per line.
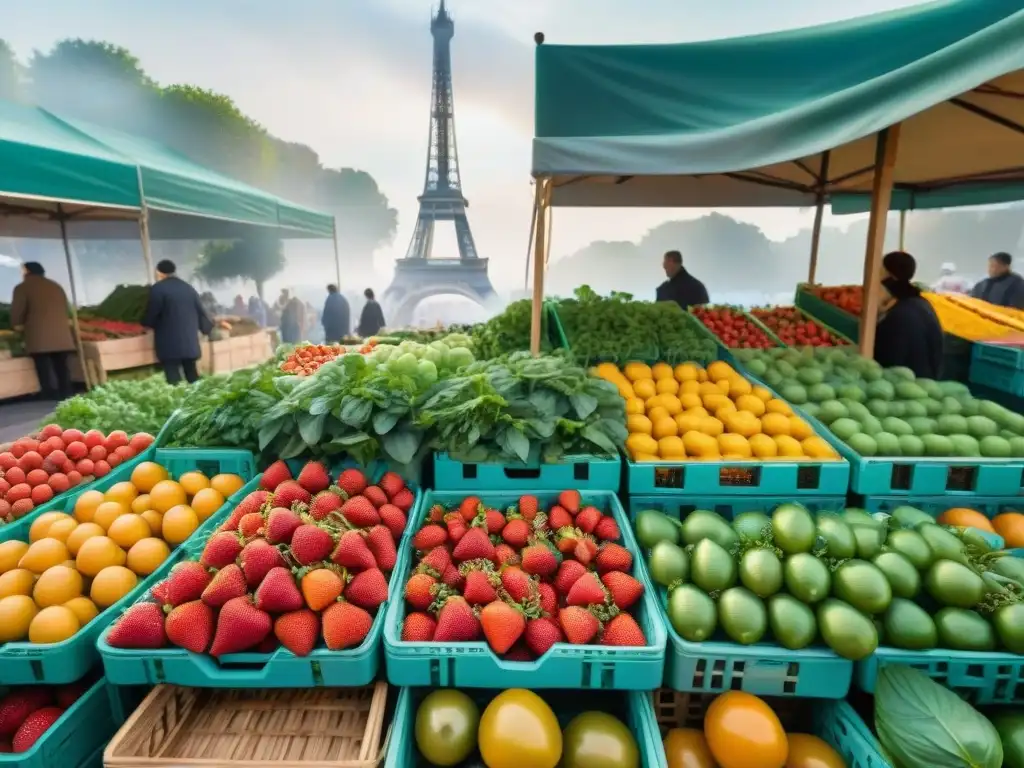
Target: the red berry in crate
pixel 281 525
pixel 607 529
pixel 521 588
pixel 310 544
pixel 298 631
pixel 568 573
pixel 278 592
pixel 418 628
pixel 240 626
pixel 140 627
pixel 314 477
pixel 613 557
pixel 359 512
pixel 353 552
pixel 35 725
pixel 251 525
pixel 290 492
pixel 528 507
pixel 502 625
pixel 321 586
pixel 548 598
pixel 435 562
pixel 516 532
pixel 587 590
pixel 505 555
pixel 579 625
pixel 345 626
pixel 352 482
pixel 227 584
pixel 394 519
pixel 392 484
pixel 542 633
pixel 420 591
pixel 570 501
pixel 376 496
pixel 187 582
pixel 456 622
pixel 492 521
pixel 559 518
pixel 18 705
pixel 190 626
pixel 474 545
pixel 469 508
pixel 257 558
pixel 540 559
pixel 274 475
pixel 429 536
pixel 382 545
pixel 368 589
pixel 481 581
pixel 623 630
pixel 66 695
pixel 623 588
pixel 325 503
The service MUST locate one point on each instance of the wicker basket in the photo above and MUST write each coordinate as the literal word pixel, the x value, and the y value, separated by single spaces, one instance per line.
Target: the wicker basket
pixel 284 728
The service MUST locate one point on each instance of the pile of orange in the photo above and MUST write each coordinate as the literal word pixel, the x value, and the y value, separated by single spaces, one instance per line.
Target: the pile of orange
pixel 75 566
pixel 713 413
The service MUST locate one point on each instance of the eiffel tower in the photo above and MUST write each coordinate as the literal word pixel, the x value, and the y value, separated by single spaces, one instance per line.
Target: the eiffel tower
pixel 419 276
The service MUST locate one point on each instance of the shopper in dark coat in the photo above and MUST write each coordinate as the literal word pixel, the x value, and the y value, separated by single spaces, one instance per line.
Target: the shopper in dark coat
pixel 372 318
pixel 177 317
pixel 681 287
pixel 909 334
pixel 39 309
pixel 335 319
pixel 1003 286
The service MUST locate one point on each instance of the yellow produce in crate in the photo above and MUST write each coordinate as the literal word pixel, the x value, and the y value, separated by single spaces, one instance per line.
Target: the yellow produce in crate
pixel 689 412
pixel 967 323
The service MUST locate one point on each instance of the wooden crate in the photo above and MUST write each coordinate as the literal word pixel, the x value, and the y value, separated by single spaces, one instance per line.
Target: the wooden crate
pixel 232 354
pixel 118 355
pixel 18 377
pixel 255 728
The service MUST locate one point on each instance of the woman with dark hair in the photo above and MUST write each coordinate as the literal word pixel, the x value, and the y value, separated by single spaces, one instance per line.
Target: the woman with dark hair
pixel 909 334
pixel 372 318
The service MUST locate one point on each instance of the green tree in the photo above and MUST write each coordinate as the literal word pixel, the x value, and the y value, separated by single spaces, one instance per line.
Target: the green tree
pixel 257 257
pixel 364 219
pixel 10 74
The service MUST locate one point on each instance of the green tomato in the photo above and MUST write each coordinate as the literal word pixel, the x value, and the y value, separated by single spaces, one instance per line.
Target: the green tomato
pixel 446 725
pixel 598 740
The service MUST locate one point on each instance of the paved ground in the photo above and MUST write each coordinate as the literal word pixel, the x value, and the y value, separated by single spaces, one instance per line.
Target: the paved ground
pixel 19 418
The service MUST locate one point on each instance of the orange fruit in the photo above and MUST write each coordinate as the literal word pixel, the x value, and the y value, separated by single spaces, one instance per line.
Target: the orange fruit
pixel 155 521
pixel 226 485
pixel 16 614
pixel 123 492
pixel 85 505
pixel 127 530
pixel 1009 525
pixel 206 502
pixel 111 584
pixel 141 503
pixel 179 523
pixel 743 732
pixel 968 518
pixel 687 748
pixel 16 582
pixel 98 553
pixel 108 512
pixel 147 555
pixel 84 608
pixel 10 553
pixel 53 625
pixel 57 585
pixel 193 482
pixel 146 475
pixel 80 534
pixel 41 525
pixel 44 554
pixel 166 494
pixel 62 529
pixel 807 751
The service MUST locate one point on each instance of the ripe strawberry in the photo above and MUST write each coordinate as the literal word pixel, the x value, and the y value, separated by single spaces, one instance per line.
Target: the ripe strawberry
pixel 492 521
pixel 376 496
pixel 228 583
pixel 585 550
pixel 607 529
pixel 456 526
pixel 221 549
pixel 502 625
pixel 404 499
pixel 570 501
pixel 380 543
pixel 559 518
pixel 456 622
pixel 251 525
pixel 392 484
pixel 368 589
pixel 290 492
pixel 345 625
pixel 353 552
pixel 579 625
pixel 469 508
pixel 310 544
pixel 623 630
pixel 190 626
pixel 394 519
pixel 436 513
pixel 360 513
pixel 505 555
pixel 568 572
pixel 516 532
pixel 519 652
pixel 419 591
pixel 528 507
pixel 257 559
pixel 453 578
pixel 613 557
pixel 321 587
pixel 539 559
pixel 587 590
pixel 281 525
pixel 268 645
pixel 274 475
pixel 540 634
pixel 140 627
pixel 588 518
pixel 435 562
pixel 187 582
pixel 18 705
pixel 480 582
pixel 473 546
pixel 352 482
pixel 518 584
pixel 159 592
pixel 254 502
pixel 240 626
pixel 429 536
pixel 548 598
pixel 623 588
pixel 566 540
pixel 418 628
pixel 324 503
pixel 314 477
pixel 298 631
pixel 277 593
pixel 35 725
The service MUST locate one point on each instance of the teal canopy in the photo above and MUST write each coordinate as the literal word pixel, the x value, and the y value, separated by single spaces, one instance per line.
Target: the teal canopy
pixel 53 167
pixel 777 119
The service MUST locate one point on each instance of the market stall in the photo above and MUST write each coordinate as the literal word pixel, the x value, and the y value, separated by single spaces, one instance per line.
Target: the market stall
pixel 933 118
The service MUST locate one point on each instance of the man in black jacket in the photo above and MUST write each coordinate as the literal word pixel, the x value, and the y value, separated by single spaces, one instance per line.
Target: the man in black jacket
pixel 681 287
pixel 336 316
pixel 177 317
pixel 1003 286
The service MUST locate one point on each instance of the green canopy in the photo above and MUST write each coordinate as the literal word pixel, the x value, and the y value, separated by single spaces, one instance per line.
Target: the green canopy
pixel 779 119
pixel 52 166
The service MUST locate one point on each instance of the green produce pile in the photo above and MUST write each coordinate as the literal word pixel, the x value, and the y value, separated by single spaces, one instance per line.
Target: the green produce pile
pixel 887 411
pixel 5 316
pixel 853 579
pixel 509 331
pixel 126 303
pixel 134 406
pixel 421 335
pixel 617 329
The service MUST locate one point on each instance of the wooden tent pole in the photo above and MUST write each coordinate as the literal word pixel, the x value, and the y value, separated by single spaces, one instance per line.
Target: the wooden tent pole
pixel 903 230
pixel 147 255
pixel 529 245
pixel 543 198
pixel 881 196
pixel 79 347
pixel 337 258
pixel 819 212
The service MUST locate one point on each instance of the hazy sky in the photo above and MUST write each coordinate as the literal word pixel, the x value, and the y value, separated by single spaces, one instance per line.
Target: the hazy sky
pixel 351 78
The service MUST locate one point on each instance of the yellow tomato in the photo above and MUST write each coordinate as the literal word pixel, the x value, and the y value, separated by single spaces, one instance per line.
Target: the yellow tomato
pixel 519 729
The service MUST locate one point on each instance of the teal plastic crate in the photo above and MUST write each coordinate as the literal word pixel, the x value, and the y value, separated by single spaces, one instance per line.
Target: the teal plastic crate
pixel 24 663
pixel 65 501
pixel 164 435
pixel 1002 355
pixel 279 669
pixel 829 314
pixel 474 665
pixel 764 669
pixel 744 477
pixel 634 709
pixel 75 739
pixel 998 377
pixel 585 473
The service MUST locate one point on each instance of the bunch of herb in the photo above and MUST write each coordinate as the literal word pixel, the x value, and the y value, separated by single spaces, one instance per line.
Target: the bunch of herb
pixel 509 332
pixel 134 406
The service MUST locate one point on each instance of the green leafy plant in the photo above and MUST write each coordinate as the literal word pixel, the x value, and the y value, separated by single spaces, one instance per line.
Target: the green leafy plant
pixel 134 406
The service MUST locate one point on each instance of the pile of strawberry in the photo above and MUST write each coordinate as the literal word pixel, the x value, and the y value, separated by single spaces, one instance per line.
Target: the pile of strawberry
pixel 297 560
pixel 522 579
pixel 27 713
